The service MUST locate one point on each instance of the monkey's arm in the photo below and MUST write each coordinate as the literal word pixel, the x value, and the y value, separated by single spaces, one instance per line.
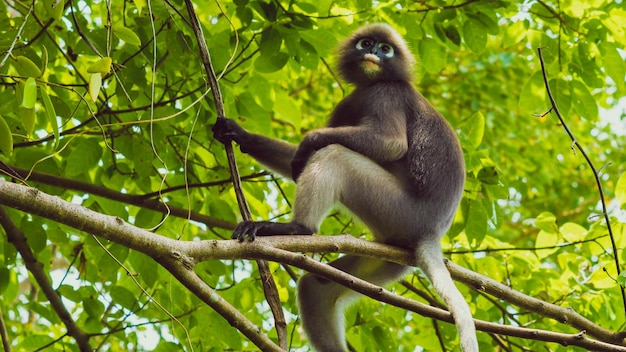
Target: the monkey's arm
pixel 273 153
pixel 382 139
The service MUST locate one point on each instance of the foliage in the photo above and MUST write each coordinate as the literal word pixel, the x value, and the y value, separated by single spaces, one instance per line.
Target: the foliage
pixel 104 104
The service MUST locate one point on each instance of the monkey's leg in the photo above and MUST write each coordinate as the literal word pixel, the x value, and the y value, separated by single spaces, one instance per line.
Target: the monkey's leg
pixel 338 174
pixel 322 302
pixel 382 201
pixel 333 174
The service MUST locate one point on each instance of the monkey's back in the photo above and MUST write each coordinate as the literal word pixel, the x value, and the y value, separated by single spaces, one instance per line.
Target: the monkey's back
pixel 434 158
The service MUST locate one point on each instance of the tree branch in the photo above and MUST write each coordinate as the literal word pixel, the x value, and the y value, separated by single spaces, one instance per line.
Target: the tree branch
pixel 18 240
pixel 179 257
pixel 6 343
pixel 605 213
pixel 100 191
pixel 269 285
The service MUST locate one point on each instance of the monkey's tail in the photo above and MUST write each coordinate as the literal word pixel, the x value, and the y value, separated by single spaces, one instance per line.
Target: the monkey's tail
pixel 430 260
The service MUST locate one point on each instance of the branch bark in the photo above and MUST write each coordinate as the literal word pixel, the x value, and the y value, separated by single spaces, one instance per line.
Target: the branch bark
pixel 269 285
pixel 180 257
pixel 133 199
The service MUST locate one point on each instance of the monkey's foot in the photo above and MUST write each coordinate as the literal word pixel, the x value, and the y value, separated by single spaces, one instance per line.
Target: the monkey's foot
pixel 268 228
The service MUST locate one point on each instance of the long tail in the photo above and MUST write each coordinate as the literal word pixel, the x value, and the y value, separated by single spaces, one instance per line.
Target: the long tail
pixel 430 260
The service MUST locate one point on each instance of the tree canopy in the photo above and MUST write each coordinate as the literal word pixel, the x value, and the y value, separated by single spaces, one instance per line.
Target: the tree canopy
pixel 116 203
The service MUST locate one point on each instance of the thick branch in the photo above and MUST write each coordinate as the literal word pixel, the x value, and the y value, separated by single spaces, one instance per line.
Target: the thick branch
pixel 100 191
pixel 183 255
pixel 167 252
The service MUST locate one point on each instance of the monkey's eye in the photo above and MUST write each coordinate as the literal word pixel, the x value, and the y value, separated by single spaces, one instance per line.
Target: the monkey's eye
pixel 364 43
pixel 386 49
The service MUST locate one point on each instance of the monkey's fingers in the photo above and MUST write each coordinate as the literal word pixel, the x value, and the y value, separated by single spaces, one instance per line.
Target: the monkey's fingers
pixel 251 229
pixel 245 228
pixel 226 130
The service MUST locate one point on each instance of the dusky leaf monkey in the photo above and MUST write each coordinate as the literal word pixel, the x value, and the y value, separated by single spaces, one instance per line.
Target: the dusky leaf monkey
pixel 388 156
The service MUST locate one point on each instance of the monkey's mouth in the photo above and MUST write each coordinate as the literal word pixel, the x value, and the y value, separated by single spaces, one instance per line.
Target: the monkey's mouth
pixel 370 63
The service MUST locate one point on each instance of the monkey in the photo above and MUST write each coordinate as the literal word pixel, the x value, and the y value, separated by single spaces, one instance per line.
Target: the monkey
pixel 389 157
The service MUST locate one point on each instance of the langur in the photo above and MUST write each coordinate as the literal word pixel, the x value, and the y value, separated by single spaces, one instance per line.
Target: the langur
pixel 390 158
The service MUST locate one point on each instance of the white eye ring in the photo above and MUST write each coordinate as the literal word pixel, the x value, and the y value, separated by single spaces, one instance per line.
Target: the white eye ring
pixel 386 49
pixel 364 43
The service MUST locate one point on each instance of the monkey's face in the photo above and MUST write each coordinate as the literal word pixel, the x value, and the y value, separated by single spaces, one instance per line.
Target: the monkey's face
pixel 375 53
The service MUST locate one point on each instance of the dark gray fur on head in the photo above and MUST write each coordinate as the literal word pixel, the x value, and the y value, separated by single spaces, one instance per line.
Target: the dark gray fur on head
pixel 399 67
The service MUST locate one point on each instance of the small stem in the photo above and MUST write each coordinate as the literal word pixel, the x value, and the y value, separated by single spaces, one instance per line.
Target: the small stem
pixel 591 166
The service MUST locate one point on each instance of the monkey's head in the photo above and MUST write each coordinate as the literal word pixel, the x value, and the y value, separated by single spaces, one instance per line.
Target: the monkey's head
pixel 374 53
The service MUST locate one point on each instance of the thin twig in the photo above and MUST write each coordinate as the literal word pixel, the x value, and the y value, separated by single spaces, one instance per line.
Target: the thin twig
pixel 3 333
pixel 269 285
pixel 591 166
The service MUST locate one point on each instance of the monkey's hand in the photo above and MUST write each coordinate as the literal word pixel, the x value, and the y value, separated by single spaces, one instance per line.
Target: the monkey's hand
pixel 251 229
pixel 226 130
pixel 313 142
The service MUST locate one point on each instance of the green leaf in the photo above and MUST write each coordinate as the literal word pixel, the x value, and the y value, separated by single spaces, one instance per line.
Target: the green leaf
pixel 476 225
pixel 270 42
pixel 547 222
pixel 26 67
pixel 93 307
pixel 107 266
pixel 143 264
pixel 127 35
pixel 546 240
pixel 123 296
pixel 488 176
pixel 271 63
pixel 620 189
pixel 50 113
pixel 621 279
pixel 488 21
pixel 307 55
pixel 287 109
pixel 95 82
pixel 474 35
pixel 147 219
pixel 452 33
pixel 473 131
pixel 103 66
pixel 532 95
pixel 572 232
pixel 584 102
pixel 70 293
pixel 513 34
pixel 614 65
pixel 29 117
pixel 5 278
pixel 6 138
pixel 561 92
pixel 433 56
pixel 83 157
pixel 35 235
pixel 30 94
